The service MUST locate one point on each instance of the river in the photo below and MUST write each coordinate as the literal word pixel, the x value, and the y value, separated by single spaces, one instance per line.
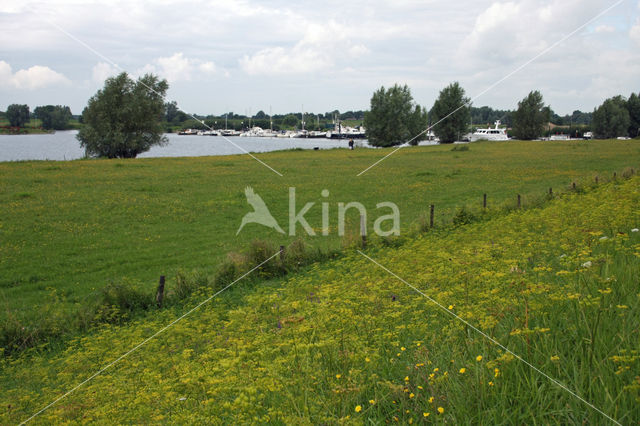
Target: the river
pixel 63 145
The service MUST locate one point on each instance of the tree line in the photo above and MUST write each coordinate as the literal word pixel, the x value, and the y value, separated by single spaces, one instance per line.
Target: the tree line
pixel 52 117
pixel 395 118
pixel 128 117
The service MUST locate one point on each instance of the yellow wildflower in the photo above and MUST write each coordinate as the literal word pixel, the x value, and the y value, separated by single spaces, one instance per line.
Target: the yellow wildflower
pixel 463 370
pixel 338 376
pixel 358 408
pixel 372 401
pixel 426 414
pixel 479 358
pixel 440 410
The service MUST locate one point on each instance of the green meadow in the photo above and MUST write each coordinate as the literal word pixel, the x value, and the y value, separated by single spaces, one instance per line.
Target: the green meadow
pixel 67 229
pixel 525 317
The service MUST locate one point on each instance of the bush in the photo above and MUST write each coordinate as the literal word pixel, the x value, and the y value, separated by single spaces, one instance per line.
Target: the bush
pixel 463 217
pixel 117 302
pixel 187 283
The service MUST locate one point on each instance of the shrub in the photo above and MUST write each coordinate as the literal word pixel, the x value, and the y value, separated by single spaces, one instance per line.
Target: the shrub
pixel 463 217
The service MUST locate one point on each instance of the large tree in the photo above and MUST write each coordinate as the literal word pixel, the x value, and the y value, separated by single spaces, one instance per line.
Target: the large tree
pixel 53 117
pixel 530 117
pixel 124 118
pixel 394 118
pixel 450 113
pixel 17 115
pixel 633 106
pixel 611 119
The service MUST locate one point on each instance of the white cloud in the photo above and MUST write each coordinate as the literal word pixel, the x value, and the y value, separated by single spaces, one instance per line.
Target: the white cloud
pixel 605 29
pixel 179 68
pixel 322 46
pixel 35 77
pixel 102 70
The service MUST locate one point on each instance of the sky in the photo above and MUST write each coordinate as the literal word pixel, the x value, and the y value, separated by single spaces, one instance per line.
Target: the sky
pixel 318 56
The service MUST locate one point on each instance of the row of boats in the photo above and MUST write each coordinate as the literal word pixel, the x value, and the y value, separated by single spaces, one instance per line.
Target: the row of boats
pixel 339 132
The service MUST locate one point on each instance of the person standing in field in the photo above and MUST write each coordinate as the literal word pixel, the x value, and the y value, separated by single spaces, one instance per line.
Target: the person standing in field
pixel 351 144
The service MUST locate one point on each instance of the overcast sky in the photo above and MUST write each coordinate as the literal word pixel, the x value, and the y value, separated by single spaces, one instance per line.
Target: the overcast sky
pixel 245 56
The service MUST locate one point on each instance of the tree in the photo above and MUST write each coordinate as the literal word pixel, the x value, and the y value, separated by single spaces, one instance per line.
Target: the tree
pixel 633 106
pixel 530 117
pixel 611 119
pixel 290 120
pixel 450 113
pixel 171 111
pixel 125 117
pixel 53 117
pixel 17 115
pixel 394 118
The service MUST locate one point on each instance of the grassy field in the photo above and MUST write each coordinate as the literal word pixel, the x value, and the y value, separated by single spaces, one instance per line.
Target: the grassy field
pixel 346 342
pixel 73 227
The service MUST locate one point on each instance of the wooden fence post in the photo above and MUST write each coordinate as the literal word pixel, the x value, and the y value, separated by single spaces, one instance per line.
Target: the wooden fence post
pixel 573 186
pixel 363 231
pixel 551 192
pixel 484 201
pixel 615 175
pixel 596 180
pixel 519 201
pixel 431 216
pixel 160 292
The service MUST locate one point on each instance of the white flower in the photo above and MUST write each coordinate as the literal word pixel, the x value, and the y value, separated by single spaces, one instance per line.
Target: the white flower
pixel 562 256
pixel 634 230
pixel 604 238
pixel 587 264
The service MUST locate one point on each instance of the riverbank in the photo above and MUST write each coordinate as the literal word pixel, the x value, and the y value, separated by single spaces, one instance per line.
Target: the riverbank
pixel 8 130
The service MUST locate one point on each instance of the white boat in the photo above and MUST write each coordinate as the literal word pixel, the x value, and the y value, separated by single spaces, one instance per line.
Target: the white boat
pixel 489 134
pixel 229 132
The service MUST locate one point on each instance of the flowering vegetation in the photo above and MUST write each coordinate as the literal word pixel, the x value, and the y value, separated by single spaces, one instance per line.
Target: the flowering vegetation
pixel 344 341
